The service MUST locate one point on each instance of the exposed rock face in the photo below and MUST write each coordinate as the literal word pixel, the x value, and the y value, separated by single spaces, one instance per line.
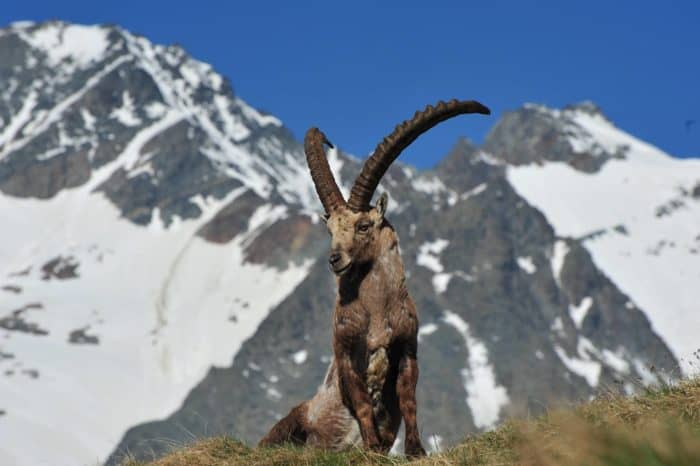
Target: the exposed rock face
pixel 696 191
pixel 17 322
pixel 534 134
pixel 171 229
pixel 60 268
pixel 232 219
pixel 291 239
pixel 81 336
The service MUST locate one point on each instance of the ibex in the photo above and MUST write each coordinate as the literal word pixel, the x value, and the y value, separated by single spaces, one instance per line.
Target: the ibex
pixel 371 382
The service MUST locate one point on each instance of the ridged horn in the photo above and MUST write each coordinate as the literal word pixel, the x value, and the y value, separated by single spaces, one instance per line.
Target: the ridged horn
pixel 403 135
pixel 326 187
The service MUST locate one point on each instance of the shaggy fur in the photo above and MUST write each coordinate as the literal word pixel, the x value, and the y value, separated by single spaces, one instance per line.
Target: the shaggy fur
pixel 370 385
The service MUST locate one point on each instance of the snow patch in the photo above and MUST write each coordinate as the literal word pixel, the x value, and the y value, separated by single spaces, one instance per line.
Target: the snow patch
pixel 88 118
pixel 428 184
pixel 644 371
pixel 426 329
pixel 616 360
pixel 300 356
pixel 233 125
pixel 589 370
pixel 464 276
pixel 264 216
pixel 486 158
pixel 429 254
pixel 595 130
pixel 473 192
pixel 262 120
pixel 441 281
pixel 129 157
pixel 435 443
pixel 578 313
pixel 527 265
pixel 79 44
pixel 126 114
pixel 336 165
pixel 558 327
pixel 396 448
pixel 429 257
pixel 485 397
pixel 155 110
pixel 273 393
pixel 559 252
pixel 191 75
pixel 19 119
pixel 53 152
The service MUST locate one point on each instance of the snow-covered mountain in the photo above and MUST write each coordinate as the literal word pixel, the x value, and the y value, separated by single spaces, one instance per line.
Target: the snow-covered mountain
pixel 160 258
pixel 116 156
pixel 638 216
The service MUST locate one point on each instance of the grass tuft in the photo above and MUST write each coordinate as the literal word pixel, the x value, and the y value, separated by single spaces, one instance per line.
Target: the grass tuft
pixel 659 427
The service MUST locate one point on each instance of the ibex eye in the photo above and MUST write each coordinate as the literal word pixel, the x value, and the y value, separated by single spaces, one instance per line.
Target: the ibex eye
pixel 363 228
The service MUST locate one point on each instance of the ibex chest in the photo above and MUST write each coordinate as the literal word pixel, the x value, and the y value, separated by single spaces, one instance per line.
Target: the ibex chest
pixel 371 327
pixel 373 314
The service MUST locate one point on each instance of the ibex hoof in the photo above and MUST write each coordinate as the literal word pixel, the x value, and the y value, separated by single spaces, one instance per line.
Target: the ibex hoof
pixel 414 451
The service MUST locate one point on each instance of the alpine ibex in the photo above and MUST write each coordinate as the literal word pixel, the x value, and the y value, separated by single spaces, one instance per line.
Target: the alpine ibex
pixel 371 382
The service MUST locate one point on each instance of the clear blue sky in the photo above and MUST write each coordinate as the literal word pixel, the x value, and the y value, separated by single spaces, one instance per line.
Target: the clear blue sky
pixel 356 69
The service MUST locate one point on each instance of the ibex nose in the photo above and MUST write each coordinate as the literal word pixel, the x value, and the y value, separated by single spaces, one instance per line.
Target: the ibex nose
pixel 334 258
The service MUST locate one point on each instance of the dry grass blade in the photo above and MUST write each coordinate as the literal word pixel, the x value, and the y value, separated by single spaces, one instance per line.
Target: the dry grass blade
pixel 660 427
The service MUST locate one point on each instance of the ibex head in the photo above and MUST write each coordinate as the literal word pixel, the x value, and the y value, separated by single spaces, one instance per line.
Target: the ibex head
pixel 355 226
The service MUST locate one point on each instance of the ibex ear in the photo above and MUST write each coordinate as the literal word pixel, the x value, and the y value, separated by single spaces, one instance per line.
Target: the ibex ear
pixel 382 203
pixel 324 217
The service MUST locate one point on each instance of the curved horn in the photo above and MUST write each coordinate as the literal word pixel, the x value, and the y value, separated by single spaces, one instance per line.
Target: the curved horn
pixel 325 184
pixel 402 136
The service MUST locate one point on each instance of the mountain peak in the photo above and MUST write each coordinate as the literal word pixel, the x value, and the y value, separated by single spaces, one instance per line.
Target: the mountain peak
pixel 579 135
pixel 586 106
pixel 94 98
pixel 458 157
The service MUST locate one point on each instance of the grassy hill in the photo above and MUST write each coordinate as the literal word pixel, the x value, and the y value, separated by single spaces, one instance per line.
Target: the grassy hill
pixel 659 427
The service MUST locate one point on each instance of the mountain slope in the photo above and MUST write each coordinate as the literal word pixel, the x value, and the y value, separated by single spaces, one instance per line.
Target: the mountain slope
pixel 162 272
pixel 639 216
pixel 94 149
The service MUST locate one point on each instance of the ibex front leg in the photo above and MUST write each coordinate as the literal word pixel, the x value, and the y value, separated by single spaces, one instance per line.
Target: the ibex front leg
pixel 406 391
pixel 355 393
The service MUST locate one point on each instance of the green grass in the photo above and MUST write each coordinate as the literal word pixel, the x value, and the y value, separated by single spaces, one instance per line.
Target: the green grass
pixel 659 427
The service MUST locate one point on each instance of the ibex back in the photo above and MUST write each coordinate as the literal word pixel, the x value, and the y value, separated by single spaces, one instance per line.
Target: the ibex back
pixel 371 382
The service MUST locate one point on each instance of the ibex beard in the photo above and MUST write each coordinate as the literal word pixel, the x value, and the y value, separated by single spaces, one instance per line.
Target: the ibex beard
pixel 370 385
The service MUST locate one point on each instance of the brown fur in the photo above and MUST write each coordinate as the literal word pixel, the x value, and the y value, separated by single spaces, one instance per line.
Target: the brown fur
pixel 370 385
